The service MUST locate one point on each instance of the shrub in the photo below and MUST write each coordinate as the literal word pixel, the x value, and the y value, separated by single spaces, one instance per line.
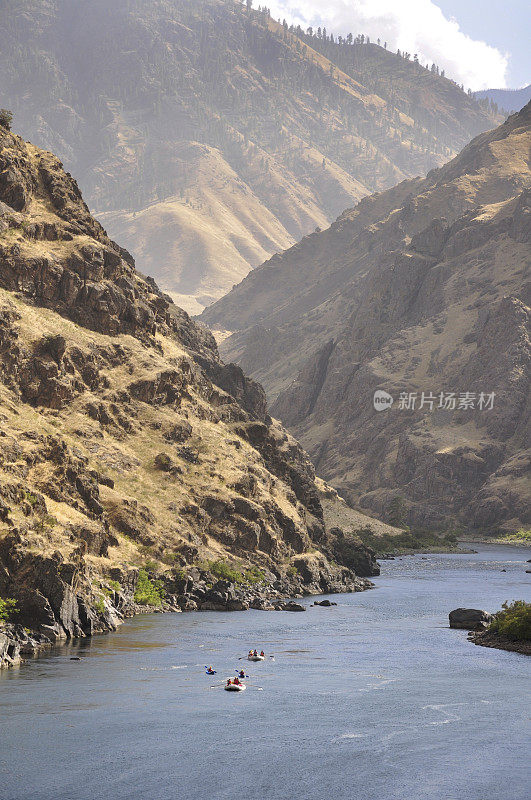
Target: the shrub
pixel 292 571
pixel 148 592
pixel 99 605
pixel 523 534
pixel 226 572
pixel 254 575
pixel 8 608
pixel 6 118
pixel 513 621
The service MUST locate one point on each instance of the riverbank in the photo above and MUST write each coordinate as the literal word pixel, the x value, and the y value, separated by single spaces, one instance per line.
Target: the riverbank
pixel 196 590
pixel 436 550
pixel 487 639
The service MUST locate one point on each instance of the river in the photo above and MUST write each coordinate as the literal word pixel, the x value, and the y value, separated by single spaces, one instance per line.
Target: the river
pixel 375 699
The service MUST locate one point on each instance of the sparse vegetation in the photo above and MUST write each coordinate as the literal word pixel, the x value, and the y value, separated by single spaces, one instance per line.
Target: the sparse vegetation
pixel 522 535
pixel 99 605
pixel 225 571
pixel 109 588
pixel 8 609
pixel 514 621
pixel 148 592
pixel 407 541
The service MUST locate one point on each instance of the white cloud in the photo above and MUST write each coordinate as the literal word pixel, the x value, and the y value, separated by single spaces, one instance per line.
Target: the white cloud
pixel 417 26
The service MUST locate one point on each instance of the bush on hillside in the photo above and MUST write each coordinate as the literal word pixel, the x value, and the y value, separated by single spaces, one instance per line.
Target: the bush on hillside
pixel 513 621
pixel 148 592
pixel 8 608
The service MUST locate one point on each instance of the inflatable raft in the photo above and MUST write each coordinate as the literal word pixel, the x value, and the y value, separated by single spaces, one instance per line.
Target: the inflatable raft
pixel 234 687
pixel 255 658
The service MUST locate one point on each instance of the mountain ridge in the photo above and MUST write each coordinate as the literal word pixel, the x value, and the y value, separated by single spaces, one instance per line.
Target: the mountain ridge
pixel 400 290
pixel 294 128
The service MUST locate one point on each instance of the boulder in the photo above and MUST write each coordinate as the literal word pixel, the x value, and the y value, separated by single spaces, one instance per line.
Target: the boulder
pixel 468 618
pixel 292 606
pixel 9 651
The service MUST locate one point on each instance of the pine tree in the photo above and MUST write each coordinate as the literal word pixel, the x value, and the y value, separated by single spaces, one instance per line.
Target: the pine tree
pixel 6 118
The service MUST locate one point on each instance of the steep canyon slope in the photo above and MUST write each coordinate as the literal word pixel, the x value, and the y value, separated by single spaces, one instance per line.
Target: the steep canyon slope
pixel 128 451
pixel 207 137
pixel 423 288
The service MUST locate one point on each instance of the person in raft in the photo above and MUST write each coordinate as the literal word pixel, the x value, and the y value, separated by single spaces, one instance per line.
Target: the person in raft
pixel 262 653
pixel 236 681
pixel 255 653
pixel 229 682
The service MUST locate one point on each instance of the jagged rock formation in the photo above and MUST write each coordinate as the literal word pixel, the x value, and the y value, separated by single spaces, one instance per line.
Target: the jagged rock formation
pixel 207 137
pixel 126 446
pixel 423 288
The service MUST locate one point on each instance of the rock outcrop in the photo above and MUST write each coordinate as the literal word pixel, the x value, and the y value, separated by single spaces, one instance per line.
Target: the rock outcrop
pixel 136 469
pixel 421 292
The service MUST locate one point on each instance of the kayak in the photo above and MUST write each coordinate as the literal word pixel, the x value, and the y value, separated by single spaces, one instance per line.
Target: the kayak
pixel 255 658
pixel 233 687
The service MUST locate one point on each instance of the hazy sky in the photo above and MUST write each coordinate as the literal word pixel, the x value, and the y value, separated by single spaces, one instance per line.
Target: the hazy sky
pixel 483 44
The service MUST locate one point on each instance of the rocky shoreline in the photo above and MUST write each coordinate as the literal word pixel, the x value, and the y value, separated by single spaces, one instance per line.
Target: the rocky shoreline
pixel 486 639
pixel 194 590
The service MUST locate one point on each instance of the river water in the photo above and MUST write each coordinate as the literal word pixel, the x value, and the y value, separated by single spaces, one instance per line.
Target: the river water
pixel 375 699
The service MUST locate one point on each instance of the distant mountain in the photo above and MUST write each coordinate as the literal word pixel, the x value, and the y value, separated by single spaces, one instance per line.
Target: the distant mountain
pixel 421 289
pixel 207 137
pixel 507 99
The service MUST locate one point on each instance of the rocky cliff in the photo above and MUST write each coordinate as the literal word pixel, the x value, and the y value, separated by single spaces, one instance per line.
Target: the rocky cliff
pixel 136 469
pixel 420 289
pixel 207 137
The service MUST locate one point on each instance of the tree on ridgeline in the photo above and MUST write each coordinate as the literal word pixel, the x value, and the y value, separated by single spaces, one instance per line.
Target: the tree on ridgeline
pixel 6 118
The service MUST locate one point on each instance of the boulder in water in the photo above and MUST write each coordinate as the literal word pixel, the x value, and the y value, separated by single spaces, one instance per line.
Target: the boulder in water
pixel 291 606
pixel 468 618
